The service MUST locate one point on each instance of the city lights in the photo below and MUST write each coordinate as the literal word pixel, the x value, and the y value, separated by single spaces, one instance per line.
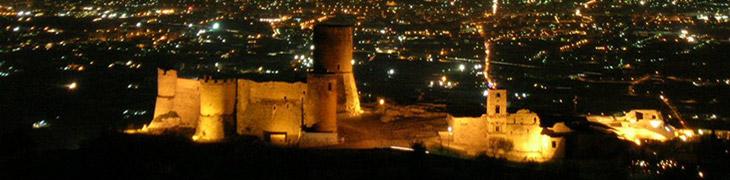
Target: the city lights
pixel 635 86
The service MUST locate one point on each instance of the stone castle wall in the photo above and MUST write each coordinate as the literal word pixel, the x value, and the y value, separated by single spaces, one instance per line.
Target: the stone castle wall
pixel 270 107
pixel 259 108
pixel 187 102
pixel 178 102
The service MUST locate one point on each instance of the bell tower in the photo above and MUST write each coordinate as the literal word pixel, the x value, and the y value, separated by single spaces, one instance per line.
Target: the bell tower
pixel 496 102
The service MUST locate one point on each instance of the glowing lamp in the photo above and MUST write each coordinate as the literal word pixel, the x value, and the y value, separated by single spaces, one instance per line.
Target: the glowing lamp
pixel 215 26
pixel 72 86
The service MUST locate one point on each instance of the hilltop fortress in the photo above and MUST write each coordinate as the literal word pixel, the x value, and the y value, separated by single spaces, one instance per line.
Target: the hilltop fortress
pixel 285 113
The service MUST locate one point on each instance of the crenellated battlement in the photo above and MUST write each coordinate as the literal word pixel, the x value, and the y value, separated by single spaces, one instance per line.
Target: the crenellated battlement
pixel 208 80
pixel 167 72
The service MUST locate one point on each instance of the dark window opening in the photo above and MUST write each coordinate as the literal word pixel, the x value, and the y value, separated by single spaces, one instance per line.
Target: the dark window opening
pixel 639 115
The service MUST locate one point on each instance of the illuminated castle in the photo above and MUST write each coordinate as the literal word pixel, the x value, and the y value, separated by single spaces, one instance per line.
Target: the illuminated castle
pixel 303 114
pixel 515 137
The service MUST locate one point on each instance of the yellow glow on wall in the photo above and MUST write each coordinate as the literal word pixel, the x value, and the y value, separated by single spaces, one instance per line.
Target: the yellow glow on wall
pixel 210 129
pixel 636 135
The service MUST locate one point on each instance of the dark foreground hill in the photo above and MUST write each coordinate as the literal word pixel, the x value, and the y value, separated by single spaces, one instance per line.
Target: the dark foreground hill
pixel 118 156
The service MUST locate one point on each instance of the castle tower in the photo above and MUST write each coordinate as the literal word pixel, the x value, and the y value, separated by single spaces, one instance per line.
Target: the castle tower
pixel 322 101
pixel 333 55
pixel 166 87
pixel 497 102
pixel 217 98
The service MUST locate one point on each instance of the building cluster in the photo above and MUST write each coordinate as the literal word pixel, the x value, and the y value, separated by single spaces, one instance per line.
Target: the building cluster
pixel 498 133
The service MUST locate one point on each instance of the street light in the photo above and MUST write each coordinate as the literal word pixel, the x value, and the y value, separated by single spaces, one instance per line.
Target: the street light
pixel 72 86
pixel 215 26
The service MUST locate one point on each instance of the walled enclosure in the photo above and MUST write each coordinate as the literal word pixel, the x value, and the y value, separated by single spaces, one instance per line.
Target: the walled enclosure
pixel 207 105
pixel 275 111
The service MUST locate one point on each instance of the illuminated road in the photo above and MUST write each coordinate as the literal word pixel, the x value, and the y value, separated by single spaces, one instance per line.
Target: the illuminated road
pixel 673 109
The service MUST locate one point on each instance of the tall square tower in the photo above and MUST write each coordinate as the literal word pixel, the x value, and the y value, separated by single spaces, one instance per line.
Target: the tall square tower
pixel 497 102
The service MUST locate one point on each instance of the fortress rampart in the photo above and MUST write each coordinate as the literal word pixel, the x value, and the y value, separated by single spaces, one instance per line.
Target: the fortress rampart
pixel 278 112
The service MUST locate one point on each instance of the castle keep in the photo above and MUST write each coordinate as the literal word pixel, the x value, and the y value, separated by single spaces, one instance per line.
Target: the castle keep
pixel 333 61
pixel 285 113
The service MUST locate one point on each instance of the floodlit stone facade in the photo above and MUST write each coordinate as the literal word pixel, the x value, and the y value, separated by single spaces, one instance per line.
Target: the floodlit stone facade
pixel 178 102
pixel 279 112
pixel 515 137
pixel 271 108
pixel 217 100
